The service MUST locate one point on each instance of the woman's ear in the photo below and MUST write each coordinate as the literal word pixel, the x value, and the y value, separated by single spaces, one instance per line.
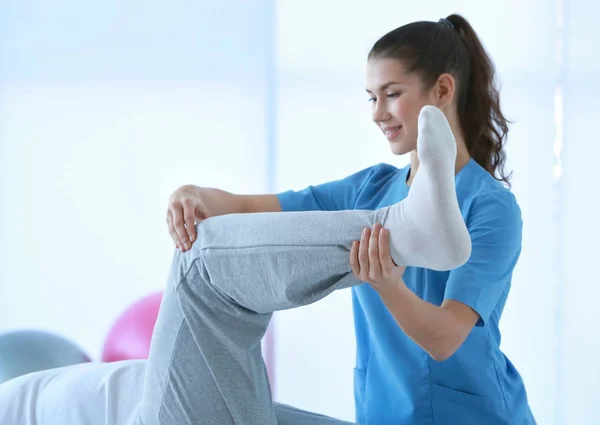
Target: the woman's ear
pixel 444 90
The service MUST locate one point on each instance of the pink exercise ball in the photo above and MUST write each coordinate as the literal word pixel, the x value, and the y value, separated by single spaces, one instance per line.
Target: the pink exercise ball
pixel 130 336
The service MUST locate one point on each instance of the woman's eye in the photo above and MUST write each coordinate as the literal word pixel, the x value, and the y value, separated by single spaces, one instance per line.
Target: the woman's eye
pixel 392 95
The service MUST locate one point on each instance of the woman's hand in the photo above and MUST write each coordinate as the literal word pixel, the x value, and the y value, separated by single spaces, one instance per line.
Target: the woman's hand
pixel 186 208
pixel 371 261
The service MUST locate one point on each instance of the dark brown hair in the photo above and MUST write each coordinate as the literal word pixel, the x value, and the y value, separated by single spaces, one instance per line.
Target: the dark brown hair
pixel 451 46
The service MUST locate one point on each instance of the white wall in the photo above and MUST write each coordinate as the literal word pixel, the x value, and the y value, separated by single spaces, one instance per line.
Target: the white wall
pixel 580 209
pixel 105 109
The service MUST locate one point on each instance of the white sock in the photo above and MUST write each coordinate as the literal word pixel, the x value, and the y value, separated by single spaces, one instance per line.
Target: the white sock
pixel 426 228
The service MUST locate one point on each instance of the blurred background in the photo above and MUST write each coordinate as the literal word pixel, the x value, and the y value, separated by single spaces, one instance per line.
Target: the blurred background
pixel 107 107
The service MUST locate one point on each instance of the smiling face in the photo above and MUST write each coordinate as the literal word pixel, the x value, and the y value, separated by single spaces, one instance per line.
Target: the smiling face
pixel 397 98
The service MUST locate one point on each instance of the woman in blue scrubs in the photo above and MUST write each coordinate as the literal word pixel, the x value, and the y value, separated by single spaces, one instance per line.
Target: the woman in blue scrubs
pixel 428 342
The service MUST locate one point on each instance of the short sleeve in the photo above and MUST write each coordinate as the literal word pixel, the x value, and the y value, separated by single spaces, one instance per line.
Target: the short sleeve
pixel 332 196
pixel 495 226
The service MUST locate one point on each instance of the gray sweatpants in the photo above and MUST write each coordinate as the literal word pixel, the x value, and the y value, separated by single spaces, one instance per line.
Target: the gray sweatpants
pixel 205 365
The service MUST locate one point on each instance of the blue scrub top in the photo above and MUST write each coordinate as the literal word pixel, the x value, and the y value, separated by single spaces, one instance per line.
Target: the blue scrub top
pixel 395 381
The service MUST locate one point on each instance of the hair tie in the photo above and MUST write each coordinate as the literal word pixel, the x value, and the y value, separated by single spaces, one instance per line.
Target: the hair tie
pixel 446 23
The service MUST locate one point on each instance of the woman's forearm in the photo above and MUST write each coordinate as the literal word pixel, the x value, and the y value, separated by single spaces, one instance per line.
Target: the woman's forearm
pixel 431 327
pixel 223 202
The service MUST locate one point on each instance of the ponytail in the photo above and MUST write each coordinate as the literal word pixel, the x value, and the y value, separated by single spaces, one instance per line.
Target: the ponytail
pixel 481 119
